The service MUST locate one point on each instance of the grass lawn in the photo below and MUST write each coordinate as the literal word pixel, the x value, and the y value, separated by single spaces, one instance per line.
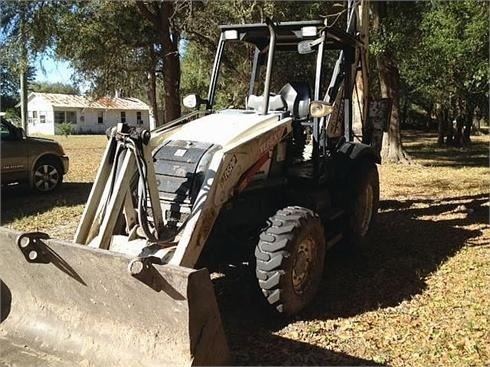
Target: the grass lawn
pixel 418 295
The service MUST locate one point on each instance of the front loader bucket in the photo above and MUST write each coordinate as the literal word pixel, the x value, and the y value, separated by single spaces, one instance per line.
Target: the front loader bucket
pixel 66 304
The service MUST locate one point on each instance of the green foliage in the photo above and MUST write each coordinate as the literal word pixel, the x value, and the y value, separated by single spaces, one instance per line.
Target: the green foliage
pixel 12 113
pixel 46 87
pixel 27 28
pixel 65 128
pixel 118 45
pixel 441 50
pixel 19 42
pixel 455 47
pixel 108 45
pixel 9 77
pixel 202 32
pixel 196 68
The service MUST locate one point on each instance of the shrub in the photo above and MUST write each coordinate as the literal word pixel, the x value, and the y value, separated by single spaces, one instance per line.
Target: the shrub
pixel 65 128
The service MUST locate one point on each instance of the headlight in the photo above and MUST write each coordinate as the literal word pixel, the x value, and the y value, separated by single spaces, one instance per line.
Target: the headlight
pixel 320 109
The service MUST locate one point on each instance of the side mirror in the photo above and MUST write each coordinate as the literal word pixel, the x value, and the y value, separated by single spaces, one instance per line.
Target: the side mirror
pixel 193 101
pixel 308 46
pixel 320 109
pixel 304 47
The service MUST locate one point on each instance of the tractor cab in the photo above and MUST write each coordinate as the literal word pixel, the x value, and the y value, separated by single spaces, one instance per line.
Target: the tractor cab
pixel 281 69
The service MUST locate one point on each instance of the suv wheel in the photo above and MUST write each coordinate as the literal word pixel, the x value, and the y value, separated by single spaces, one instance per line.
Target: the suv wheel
pixel 47 175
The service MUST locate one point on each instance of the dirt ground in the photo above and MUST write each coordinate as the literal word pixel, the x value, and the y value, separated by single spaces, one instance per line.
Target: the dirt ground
pixel 417 295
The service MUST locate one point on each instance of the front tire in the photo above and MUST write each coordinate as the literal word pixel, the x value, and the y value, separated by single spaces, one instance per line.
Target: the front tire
pixel 47 176
pixel 290 258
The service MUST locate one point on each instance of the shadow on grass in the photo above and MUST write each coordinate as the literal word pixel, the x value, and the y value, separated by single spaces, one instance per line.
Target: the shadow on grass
pixel 279 351
pixel 473 205
pixel 403 251
pixel 19 201
pixel 250 324
pixel 423 147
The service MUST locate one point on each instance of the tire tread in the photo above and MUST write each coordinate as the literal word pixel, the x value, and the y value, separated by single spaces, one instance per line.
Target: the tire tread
pixel 271 250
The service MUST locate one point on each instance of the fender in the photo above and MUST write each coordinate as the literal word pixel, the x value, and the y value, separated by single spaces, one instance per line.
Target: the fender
pixel 226 174
pixel 356 151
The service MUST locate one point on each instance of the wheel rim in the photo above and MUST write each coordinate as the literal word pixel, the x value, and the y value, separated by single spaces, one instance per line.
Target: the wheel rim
pixel 46 177
pixel 366 209
pixel 302 265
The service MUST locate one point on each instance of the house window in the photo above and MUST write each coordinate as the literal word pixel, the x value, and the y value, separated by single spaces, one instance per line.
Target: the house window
pixel 100 117
pixel 65 116
pixel 138 118
pixel 42 119
pixel 123 117
pixel 59 117
pixel 71 117
pixel 34 114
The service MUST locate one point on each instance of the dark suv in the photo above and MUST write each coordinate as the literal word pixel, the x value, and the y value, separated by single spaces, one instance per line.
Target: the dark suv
pixel 39 162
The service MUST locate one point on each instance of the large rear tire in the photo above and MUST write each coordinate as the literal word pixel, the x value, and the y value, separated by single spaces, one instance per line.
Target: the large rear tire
pixel 363 202
pixel 290 258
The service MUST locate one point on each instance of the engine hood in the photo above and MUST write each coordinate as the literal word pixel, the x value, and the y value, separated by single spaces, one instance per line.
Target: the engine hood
pixel 36 140
pixel 224 127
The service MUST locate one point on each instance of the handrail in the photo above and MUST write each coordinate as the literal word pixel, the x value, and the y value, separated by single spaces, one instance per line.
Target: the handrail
pixel 270 59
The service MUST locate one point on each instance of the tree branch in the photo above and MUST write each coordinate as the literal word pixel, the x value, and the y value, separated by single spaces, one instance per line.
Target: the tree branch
pixel 147 13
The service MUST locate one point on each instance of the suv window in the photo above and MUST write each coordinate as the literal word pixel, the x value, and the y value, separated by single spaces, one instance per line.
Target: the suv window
pixel 6 133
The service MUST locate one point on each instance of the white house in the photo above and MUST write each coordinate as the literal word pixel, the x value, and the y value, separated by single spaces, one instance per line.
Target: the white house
pixel 47 110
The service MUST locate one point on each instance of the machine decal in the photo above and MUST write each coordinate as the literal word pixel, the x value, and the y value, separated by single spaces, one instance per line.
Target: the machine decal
pixel 207 221
pixel 248 175
pixel 229 169
pixel 272 140
pixel 180 152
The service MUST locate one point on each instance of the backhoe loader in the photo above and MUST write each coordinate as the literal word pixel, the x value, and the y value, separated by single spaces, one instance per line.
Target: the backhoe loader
pixel 273 179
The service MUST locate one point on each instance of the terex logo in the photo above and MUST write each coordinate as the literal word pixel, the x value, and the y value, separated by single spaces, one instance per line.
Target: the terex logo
pixel 271 140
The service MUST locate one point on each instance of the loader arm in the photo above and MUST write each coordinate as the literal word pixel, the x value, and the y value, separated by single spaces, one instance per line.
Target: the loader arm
pixel 128 155
pixel 111 197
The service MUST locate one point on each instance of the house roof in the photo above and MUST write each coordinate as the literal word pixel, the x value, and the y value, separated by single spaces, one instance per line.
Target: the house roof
pixel 72 100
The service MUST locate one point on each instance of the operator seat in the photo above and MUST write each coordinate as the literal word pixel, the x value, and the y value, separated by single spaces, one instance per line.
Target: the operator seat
pixel 276 102
pixel 297 96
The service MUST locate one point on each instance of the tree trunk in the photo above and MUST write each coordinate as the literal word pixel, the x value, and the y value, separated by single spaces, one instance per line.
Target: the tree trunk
pixel 151 90
pixel 428 122
pixel 24 66
pixel 475 124
pixel 161 15
pixel 152 97
pixel 171 78
pixel 458 135
pixel 404 116
pixel 468 121
pixel 389 79
pixel 460 122
pixel 441 124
